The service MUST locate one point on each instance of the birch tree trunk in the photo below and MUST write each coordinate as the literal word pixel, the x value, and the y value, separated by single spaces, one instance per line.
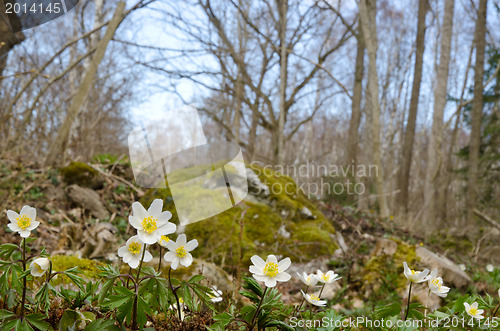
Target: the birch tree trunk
pixel 280 151
pixel 353 134
pixel 409 134
pixel 477 110
pixel 57 148
pixel 434 154
pixel 367 13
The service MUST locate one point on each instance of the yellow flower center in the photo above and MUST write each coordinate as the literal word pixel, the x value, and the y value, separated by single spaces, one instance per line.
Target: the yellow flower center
pixel 39 269
pixel 315 298
pixel 325 277
pixel 181 252
pixel 271 269
pixel 413 272
pixel 164 238
pixel 23 221
pixel 181 300
pixel 308 279
pixel 473 311
pixel 436 282
pixel 134 248
pixel 149 224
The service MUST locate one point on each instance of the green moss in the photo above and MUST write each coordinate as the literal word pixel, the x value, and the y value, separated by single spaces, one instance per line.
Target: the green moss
pixel 263 226
pixel 387 267
pixel 88 268
pixel 81 174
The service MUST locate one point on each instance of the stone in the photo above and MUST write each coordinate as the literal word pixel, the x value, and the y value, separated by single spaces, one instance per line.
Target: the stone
pixel 305 213
pixel 255 186
pixel 385 246
pixel 88 199
pixel 447 269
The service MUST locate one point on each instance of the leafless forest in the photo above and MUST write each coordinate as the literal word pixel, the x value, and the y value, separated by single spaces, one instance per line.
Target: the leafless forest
pixel 410 87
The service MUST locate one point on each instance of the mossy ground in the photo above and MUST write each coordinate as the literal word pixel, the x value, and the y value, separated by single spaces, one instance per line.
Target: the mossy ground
pixel 270 226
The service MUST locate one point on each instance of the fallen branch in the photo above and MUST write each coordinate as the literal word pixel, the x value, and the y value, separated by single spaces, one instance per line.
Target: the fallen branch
pixel 124 181
pixel 486 218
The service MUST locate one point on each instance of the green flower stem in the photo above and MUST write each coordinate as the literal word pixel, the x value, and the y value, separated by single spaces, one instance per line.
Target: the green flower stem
pixel 495 311
pixel 301 303
pixel 174 291
pixel 321 292
pixel 258 308
pixel 136 298
pixel 408 305
pixel 159 261
pixel 427 302
pixel 23 299
pixel 50 272
pixel 140 264
pixel 130 273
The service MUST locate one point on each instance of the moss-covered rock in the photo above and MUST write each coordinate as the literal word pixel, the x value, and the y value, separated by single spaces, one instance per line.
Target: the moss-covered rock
pixel 81 174
pixel 274 225
pixel 88 268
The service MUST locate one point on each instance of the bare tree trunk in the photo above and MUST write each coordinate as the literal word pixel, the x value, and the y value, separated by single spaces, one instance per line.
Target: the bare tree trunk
pixel 409 136
pixel 57 148
pixel 367 19
pixel 283 9
pixel 353 134
pixel 434 158
pixel 477 110
pixel 8 39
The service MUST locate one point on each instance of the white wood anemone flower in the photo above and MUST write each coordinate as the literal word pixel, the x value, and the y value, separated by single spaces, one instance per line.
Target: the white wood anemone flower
pixel 314 299
pixel 415 276
pixel 328 277
pixel 473 310
pixel 436 285
pixel 24 222
pixel 39 266
pixel 132 252
pixel 181 304
pixel 270 271
pixel 163 241
pixel 151 224
pixel 179 251
pixel 490 268
pixel 215 295
pixel 308 280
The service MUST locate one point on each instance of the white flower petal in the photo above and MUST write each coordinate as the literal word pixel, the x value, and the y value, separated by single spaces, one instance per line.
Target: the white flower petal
pixel 169 256
pixel 33 225
pixel 148 238
pixel 24 233
pixel 181 239
pixel 175 263
pixel 256 270
pixel 122 250
pixel 187 260
pixel 166 229
pixel 284 264
pixel 134 263
pixel 270 282
pixel 272 258
pixel 171 245
pixel 192 244
pixel 135 222
pixel 139 211
pixel 14 227
pixel 12 215
pixel 283 277
pixel 155 208
pixel 165 216
pixel 147 256
pixel 258 261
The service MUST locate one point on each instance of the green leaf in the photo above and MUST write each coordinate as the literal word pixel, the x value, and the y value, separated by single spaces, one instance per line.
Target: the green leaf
pixel 279 324
pixel 196 279
pixel 252 285
pixel 37 320
pixel 99 325
pixel 105 289
pixel 252 296
pixel 9 325
pixel 6 314
pixel 75 279
pixel 393 309
pixel 6 250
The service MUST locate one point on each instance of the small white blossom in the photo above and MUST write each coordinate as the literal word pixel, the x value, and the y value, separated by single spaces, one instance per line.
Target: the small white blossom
pixel 39 266
pixel 462 267
pixel 327 277
pixel 415 276
pixel 179 251
pixel 314 299
pixel 308 280
pixel 436 285
pixel 132 252
pixel 270 271
pixel 490 268
pixel 151 224
pixel 473 310
pixel 215 295
pixel 24 222
pixel 163 240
